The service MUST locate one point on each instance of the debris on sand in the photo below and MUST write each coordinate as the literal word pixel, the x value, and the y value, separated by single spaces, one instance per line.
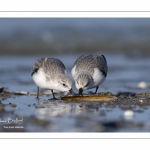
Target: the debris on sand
pixel 89 98
pixel 5 91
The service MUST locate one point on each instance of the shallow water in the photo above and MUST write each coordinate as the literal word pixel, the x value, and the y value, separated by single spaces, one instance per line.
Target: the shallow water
pixel 60 116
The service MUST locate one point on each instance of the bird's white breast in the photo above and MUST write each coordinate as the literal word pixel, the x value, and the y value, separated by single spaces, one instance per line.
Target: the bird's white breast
pixel 98 77
pixel 40 80
pixel 74 73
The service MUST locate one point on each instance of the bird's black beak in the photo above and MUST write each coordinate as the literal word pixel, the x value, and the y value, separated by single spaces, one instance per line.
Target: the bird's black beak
pixel 80 91
pixel 72 92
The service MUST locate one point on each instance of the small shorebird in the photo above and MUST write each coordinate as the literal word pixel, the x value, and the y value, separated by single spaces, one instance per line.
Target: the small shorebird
pixel 51 74
pixel 89 71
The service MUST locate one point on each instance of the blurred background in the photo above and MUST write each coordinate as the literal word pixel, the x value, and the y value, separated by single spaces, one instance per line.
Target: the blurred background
pixel 125 42
pixel 30 36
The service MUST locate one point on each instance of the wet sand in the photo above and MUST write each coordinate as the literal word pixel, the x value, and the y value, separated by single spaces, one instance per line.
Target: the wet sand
pixel 45 115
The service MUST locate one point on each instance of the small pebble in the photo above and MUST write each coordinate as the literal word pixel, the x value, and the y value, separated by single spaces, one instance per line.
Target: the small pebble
pixel 128 114
pixel 143 85
pixel 80 106
pixel 13 105
pixel 1 107
pixel 141 101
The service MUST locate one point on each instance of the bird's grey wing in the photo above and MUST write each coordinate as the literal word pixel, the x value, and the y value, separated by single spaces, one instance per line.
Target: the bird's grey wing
pixel 104 58
pixel 55 64
pixel 37 65
pixel 60 64
pixel 52 67
pixel 78 60
pixel 102 64
pixel 34 70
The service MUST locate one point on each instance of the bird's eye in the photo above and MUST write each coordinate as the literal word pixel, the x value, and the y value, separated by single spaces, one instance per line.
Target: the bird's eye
pixel 64 84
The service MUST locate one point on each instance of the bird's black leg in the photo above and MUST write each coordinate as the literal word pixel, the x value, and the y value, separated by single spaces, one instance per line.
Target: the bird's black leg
pixel 96 89
pixel 53 95
pixel 80 92
pixel 37 93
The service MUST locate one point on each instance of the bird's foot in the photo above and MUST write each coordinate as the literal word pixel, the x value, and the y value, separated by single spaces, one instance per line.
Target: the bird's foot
pixel 37 98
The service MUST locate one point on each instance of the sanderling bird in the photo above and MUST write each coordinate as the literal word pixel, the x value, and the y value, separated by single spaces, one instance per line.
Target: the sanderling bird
pixel 89 71
pixel 51 74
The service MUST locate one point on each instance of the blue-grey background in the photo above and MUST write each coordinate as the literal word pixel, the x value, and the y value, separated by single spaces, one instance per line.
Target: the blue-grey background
pixel 72 35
